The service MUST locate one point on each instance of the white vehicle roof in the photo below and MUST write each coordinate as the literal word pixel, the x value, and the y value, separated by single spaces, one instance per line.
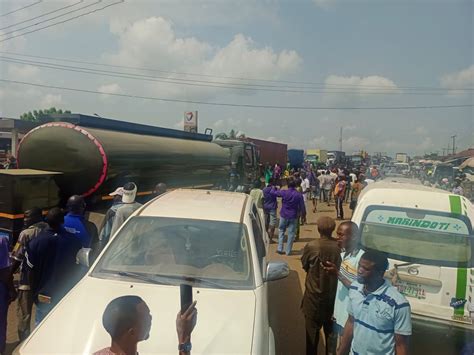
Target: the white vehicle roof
pixel 408 195
pixel 198 204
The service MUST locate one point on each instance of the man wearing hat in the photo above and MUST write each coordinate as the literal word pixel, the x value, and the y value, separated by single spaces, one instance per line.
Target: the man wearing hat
pixel 109 217
pixel 128 206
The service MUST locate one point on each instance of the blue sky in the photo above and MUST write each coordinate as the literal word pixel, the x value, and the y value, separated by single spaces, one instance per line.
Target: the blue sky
pixel 346 46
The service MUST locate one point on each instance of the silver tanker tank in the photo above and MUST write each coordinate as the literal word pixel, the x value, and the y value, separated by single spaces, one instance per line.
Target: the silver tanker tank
pixel 95 161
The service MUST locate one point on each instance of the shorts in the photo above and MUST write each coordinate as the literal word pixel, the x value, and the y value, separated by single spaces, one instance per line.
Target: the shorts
pixel 271 217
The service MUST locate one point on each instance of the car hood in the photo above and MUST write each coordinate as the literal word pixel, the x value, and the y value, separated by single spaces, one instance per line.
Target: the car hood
pixel 224 325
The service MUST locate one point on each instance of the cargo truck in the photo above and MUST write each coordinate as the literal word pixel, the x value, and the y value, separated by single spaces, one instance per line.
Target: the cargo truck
pixel 296 158
pixel 269 152
pixel 316 156
pixel 401 157
pixel 92 156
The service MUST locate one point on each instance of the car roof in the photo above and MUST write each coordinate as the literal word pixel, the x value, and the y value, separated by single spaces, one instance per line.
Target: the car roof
pixel 198 204
pixel 407 195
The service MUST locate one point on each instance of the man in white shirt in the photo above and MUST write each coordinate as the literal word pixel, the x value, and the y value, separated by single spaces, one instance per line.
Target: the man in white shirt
pixel 305 186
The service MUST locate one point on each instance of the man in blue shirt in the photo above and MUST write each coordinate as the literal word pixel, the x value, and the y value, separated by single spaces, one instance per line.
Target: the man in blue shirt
pixel 270 206
pixel 379 316
pixel 75 223
pixel 292 208
pixel 51 259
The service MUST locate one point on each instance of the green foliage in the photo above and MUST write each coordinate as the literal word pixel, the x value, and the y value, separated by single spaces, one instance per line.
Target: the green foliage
pixel 41 115
pixel 233 134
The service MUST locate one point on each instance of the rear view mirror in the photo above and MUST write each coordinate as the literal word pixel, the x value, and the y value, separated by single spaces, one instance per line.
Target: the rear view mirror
pixel 277 270
pixel 83 257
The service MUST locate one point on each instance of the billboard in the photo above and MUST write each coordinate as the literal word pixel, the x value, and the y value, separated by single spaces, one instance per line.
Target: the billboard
pixel 191 121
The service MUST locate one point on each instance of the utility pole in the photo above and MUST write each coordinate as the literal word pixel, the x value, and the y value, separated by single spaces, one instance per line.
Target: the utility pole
pixel 340 140
pixel 454 144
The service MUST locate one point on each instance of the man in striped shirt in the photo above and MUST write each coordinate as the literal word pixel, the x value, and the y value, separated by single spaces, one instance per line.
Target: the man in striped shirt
pixel 379 316
pixel 348 240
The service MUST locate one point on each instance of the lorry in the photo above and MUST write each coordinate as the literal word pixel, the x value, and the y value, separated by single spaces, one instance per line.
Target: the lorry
pixel 401 158
pixel 336 157
pixel 316 156
pixel 92 156
pixel 296 158
pixel 269 152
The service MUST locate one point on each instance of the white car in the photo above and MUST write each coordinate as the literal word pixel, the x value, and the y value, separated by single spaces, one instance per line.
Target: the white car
pixel 212 240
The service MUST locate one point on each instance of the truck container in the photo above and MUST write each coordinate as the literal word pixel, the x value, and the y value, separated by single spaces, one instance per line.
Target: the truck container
pixel 316 156
pixel 270 152
pixel 401 157
pixel 296 158
pixel 336 157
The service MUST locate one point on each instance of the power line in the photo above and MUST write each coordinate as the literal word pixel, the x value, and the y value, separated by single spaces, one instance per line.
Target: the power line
pixel 316 84
pixel 21 8
pixel 232 104
pixel 52 18
pixel 64 21
pixel 42 15
pixel 198 83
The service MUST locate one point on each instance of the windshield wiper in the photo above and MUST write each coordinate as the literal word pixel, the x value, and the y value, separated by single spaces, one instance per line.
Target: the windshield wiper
pixel 197 280
pixel 137 275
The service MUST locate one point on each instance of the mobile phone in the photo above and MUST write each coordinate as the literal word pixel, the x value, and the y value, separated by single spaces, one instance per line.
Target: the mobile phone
pixel 186 292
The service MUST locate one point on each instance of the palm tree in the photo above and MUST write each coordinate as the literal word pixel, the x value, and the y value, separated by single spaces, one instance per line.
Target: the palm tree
pixel 233 134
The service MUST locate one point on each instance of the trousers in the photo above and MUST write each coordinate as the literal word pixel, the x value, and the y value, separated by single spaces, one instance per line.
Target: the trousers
pixel 290 225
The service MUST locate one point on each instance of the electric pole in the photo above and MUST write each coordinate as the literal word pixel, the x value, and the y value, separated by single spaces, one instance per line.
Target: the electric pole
pixel 454 144
pixel 340 140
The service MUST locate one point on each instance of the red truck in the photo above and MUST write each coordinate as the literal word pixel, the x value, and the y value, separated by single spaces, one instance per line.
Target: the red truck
pixel 270 152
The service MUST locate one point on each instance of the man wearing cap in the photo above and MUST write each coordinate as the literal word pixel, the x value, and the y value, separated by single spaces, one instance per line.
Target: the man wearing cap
pixel 104 235
pixel 128 206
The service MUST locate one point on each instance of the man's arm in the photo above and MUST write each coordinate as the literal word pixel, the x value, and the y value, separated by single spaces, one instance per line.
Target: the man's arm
pixel 347 337
pixel 185 324
pixel 401 344
pixel 275 192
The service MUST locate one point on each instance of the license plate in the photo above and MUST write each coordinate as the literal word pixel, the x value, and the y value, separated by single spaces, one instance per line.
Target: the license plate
pixel 412 290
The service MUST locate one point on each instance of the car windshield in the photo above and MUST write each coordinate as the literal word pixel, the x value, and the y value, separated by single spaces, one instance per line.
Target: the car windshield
pixel 170 250
pixel 432 239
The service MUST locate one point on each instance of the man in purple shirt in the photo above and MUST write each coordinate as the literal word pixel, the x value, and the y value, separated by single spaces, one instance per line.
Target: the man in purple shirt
pixel 270 206
pixel 292 208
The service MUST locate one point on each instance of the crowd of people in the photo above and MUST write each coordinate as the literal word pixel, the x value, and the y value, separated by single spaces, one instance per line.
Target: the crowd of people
pixel 304 184
pixel 45 254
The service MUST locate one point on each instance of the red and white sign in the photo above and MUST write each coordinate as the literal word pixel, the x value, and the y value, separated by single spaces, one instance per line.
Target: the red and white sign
pixel 190 121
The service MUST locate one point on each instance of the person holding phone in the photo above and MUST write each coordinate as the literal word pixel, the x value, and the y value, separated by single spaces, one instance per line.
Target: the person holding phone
pixel 127 319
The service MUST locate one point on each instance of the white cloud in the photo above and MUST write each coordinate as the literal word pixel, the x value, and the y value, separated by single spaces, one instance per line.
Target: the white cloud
pixel 152 42
pixel 51 100
pixel 355 144
pixel 22 72
pixel 110 88
pixel 459 80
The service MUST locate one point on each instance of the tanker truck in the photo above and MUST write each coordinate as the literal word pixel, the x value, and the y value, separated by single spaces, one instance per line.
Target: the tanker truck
pixel 92 156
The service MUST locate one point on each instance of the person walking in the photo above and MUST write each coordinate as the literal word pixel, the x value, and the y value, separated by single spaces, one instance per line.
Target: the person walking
pixel 33 225
pixel 327 182
pixel 339 194
pixel 292 207
pixel 128 206
pixel 320 286
pixel 379 319
pixel 305 186
pixel 348 238
pixel 51 260
pixel 357 188
pixel 270 206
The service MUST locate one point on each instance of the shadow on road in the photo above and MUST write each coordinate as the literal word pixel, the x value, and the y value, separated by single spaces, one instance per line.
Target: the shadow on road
pixel 285 316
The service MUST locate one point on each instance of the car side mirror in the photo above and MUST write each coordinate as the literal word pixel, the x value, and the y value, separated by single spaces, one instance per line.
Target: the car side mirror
pixel 277 270
pixel 83 257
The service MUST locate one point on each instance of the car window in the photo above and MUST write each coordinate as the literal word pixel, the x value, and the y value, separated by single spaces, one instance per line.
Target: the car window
pixel 180 248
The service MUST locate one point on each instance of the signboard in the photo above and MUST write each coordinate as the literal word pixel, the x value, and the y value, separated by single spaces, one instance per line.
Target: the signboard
pixel 191 121
pixel 438 223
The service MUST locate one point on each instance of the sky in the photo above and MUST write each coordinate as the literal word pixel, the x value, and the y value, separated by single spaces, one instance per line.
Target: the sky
pixel 294 57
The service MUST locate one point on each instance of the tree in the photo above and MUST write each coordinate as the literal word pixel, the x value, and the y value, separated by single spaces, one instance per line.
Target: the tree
pixel 41 115
pixel 233 134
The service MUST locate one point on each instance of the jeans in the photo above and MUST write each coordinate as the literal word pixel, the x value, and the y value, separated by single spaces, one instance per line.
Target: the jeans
pixel 285 224
pixel 339 208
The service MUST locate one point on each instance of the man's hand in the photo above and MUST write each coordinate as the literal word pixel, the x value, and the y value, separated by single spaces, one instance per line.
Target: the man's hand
pixel 185 323
pixel 330 268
